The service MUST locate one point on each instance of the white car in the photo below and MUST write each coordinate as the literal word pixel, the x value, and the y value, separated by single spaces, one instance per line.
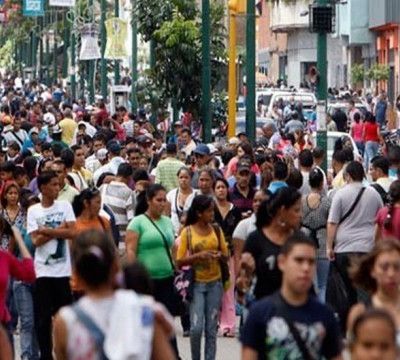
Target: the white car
pixel 333 136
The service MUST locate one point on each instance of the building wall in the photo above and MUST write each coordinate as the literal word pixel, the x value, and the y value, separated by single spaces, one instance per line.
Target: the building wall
pixel 302 53
pixel 270 46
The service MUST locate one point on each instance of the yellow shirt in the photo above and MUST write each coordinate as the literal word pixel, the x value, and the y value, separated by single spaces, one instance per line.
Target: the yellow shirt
pixel 68 127
pixel 206 270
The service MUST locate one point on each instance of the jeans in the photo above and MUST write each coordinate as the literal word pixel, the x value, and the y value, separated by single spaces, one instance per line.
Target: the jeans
pixel 23 297
pixel 360 147
pixel 204 313
pixel 371 150
pixel 50 295
pixel 321 278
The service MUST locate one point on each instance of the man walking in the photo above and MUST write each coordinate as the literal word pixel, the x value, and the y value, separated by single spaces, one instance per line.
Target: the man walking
pixel 50 224
pixel 291 324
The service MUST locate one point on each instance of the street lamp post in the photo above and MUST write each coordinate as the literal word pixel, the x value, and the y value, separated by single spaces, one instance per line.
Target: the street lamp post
pixel 103 63
pixel 322 88
pixel 251 70
pixel 73 55
pixel 91 84
pixel 116 65
pixel 206 71
pixel 134 104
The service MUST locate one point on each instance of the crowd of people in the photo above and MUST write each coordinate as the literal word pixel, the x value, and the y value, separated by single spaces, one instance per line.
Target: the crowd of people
pixel 112 225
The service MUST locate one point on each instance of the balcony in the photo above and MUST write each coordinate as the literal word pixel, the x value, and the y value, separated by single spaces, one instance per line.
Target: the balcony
pixel 383 13
pixel 285 17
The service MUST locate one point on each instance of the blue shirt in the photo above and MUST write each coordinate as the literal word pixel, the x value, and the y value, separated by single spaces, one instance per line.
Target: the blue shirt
pixel 276 185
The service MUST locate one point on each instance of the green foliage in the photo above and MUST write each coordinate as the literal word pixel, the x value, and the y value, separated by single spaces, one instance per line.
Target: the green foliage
pixel 357 73
pixel 175 26
pixel 378 72
pixel 6 51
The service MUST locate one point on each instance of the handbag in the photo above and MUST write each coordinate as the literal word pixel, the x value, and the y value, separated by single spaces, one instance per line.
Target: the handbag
pixel 225 273
pixel 183 279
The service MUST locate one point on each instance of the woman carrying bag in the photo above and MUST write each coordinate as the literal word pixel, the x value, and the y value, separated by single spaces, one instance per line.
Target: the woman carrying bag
pixel 208 257
pixel 149 240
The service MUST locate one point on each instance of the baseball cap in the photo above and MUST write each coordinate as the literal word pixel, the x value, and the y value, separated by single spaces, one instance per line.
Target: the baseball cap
pixel 243 167
pixel 113 147
pixel 178 123
pixel 202 149
pixel 101 154
pixel 144 139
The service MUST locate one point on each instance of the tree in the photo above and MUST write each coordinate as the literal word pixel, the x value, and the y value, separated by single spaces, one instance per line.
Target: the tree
pixel 357 74
pixel 175 25
pixel 378 72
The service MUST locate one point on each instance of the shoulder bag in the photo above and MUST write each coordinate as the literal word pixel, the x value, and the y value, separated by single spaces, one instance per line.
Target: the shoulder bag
pixel 183 279
pixel 353 206
pixel 96 333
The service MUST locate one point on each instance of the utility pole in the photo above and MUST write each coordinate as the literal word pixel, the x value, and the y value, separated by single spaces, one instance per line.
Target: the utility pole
pixel 236 7
pixel 134 104
pixel 91 63
pixel 103 64
pixel 116 65
pixel 206 70
pixel 251 70
pixel 322 87
pixel 232 88
pixel 73 55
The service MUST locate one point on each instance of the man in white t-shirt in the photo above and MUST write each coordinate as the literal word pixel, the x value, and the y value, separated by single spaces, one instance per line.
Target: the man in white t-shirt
pixel 50 224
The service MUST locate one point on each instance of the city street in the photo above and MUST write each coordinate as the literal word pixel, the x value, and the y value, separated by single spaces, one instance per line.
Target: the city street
pixel 227 348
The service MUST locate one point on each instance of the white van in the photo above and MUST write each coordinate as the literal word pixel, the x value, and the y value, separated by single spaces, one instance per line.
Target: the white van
pixel 270 96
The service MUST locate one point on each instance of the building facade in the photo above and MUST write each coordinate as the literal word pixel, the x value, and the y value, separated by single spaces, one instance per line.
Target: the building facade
pixel 384 21
pixel 271 47
pixel 291 18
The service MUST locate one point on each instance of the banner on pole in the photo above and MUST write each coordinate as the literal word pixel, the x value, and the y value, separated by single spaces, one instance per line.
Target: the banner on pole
pixel 33 8
pixel 62 3
pixel 89 43
pixel 117 32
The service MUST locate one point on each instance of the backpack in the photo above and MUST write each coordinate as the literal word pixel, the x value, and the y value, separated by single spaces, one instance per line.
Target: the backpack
pixel 382 193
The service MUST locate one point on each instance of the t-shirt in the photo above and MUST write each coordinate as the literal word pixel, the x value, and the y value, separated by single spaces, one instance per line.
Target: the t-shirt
pixel 267 332
pixel 356 233
pixel 265 254
pixel 68 127
pixel 151 250
pixel 52 259
pixel 207 270
pixel 371 132
pixel 100 223
pixel 245 228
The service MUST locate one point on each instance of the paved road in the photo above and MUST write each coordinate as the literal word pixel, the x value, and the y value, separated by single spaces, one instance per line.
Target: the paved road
pixel 227 348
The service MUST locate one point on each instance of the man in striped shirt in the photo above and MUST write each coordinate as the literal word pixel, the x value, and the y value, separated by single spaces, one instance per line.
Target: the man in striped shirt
pixel 120 199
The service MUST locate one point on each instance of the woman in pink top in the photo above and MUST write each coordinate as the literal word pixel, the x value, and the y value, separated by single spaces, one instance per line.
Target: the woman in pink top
pixel 356 132
pixel 372 138
pixel 388 218
pixel 10 266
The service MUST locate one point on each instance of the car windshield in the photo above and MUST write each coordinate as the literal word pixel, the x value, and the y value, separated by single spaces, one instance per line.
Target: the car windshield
pixel 264 99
